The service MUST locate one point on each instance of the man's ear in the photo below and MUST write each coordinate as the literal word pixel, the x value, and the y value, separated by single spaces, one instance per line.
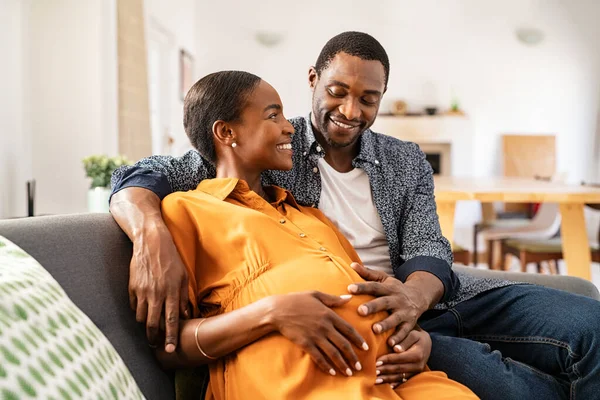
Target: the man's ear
pixel 313 78
pixel 223 133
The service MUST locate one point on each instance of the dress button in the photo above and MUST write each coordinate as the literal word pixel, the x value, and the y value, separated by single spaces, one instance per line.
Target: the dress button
pixel 319 149
pixel 376 162
pixel 302 235
pixel 322 248
pixel 304 154
pixel 282 221
pixel 315 170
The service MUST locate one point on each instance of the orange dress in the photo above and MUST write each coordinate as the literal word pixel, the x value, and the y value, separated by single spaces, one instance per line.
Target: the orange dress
pixel 238 248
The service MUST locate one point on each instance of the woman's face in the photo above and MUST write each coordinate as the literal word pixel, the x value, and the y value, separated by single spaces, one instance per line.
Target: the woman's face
pixel 264 135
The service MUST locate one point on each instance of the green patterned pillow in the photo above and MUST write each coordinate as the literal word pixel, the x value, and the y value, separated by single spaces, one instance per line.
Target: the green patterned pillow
pixel 49 349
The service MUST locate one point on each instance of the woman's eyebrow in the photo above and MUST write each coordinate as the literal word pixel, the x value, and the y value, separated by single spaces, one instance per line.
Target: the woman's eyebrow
pixel 272 107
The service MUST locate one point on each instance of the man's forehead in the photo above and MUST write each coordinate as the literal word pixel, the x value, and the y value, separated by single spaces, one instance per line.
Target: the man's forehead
pixel 353 70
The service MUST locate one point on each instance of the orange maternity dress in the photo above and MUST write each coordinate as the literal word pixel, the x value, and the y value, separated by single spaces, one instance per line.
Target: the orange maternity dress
pixel 238 248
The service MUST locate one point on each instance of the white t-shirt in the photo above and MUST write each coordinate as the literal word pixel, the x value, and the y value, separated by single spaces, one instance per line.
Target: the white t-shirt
pixel 347 201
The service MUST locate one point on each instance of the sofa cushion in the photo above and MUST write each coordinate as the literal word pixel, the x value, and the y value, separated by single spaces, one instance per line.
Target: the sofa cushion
pixel 48 347
pixel 89 256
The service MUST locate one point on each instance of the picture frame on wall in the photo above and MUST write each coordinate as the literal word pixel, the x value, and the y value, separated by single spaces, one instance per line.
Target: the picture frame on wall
pixel 186 72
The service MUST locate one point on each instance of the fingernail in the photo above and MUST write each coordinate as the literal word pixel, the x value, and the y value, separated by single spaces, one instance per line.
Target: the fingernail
pixel 352 288
pixel 378 372
pixel 378 381
pixel 363 310
pixel 398 348
pixel 365 346
pixel 393 386
pixel 346 296
pixel 170 348
pixel 332 372
pixel 348 372
pixel 377 328
pixel 379 363
pixel 354 265
pixel 358 366
pixel 392 342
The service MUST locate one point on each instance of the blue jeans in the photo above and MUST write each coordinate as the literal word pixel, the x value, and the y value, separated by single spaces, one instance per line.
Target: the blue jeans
pixel 520 342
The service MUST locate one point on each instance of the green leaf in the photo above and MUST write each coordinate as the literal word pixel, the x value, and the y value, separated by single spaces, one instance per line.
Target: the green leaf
pixel 26 386
pixel 10 357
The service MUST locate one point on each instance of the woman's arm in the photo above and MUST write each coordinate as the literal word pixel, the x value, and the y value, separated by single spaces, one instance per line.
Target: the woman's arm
pixel 220 335
pixel 305 318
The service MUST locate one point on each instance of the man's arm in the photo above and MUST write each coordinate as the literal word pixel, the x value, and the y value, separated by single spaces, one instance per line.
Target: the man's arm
pixel 427 254
pixel 158 279
pixel 163 174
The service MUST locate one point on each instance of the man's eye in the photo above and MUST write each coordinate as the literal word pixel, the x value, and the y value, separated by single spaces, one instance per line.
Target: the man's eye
pixel 273 116
pixel 337 93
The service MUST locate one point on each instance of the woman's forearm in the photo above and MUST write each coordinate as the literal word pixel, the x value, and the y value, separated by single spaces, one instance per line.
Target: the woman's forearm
pixel 220 335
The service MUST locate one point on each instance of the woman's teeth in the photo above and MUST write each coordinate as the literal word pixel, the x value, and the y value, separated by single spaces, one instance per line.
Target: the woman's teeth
pixel 284 146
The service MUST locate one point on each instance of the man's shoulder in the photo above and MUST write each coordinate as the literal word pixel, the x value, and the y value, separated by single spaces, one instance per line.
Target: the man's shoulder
pixel 298 122
pixel 393 147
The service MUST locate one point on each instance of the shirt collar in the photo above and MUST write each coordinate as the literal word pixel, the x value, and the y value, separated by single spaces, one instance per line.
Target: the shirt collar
pixel 367 145
pixel 221 188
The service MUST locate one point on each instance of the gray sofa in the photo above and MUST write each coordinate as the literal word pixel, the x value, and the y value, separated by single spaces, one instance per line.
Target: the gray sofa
pixel 89 256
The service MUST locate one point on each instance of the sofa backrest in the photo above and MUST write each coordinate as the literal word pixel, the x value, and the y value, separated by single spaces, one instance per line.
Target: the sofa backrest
pixel 89 256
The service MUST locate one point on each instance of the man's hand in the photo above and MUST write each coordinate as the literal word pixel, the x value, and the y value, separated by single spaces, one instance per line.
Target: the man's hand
pixel 157 277
pixel 306 318
pixel 404 303
pixel 158 281
pixel 409 358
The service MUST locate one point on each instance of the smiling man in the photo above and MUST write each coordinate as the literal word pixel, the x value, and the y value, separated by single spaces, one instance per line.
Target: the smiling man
pixel 378 191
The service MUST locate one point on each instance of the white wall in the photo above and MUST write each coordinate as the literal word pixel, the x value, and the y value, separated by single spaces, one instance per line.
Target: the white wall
pixel 70 103
pixel 436 47
pixel 15 154
pixel 177 21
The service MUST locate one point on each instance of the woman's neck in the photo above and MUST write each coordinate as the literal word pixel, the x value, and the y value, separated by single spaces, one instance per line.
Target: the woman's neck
pixel 253 179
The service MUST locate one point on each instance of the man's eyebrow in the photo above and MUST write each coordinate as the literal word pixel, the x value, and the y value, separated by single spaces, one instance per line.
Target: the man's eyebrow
pixel 346 86
pixel 273 106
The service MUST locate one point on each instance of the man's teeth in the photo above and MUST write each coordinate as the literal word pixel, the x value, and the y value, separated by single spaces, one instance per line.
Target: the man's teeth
pixel 341 125
pixel 284 146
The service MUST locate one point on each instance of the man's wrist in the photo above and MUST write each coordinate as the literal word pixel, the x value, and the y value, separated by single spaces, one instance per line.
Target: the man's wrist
pixel 422 294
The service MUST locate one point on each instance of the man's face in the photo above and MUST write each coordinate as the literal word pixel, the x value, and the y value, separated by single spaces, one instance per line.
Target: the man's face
pixel 346 98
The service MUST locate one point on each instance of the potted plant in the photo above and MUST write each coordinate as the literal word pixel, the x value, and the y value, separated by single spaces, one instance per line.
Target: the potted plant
pixel 100 169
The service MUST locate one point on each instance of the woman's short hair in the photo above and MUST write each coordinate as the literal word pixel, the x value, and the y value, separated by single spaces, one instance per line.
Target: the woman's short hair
pixel 218 96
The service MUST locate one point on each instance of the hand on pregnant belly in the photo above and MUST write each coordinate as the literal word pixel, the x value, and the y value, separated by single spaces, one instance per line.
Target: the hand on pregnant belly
pixel 307 319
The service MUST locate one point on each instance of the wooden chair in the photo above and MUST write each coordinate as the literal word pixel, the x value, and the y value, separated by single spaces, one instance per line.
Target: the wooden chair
pixel 524 156
pixel 461 256
pixel 528 251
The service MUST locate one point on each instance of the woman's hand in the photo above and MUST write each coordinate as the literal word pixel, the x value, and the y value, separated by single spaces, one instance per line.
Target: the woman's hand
pixel 408 358
pixel 306 318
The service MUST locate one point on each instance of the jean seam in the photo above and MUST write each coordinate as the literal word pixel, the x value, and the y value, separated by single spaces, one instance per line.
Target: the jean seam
pixel 526 339
pixel 459 322
pixel 539 373
pixel 575 381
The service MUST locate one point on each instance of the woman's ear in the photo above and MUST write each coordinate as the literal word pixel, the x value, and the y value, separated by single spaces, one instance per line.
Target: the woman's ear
pixel 222 133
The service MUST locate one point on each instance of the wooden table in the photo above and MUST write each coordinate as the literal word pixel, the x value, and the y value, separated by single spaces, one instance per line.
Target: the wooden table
pixel 571 199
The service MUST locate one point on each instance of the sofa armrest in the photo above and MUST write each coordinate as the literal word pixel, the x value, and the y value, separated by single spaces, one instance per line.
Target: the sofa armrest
pixel 566 283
